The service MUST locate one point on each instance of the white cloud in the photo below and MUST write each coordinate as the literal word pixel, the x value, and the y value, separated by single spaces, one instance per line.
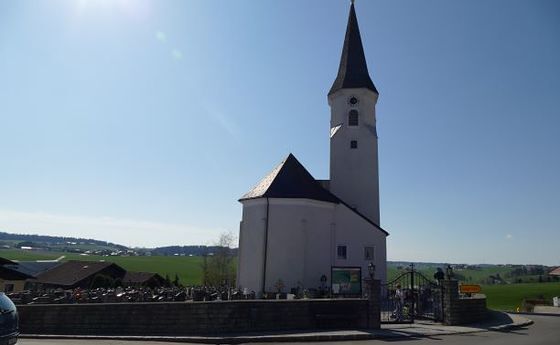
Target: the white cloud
pixel 118 230
pixel 509 236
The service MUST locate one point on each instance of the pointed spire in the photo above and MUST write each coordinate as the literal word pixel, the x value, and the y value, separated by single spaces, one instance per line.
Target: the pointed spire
pixel 353 71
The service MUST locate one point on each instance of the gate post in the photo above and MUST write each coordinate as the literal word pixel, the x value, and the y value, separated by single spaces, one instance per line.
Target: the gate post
pixel 413 295
pixel 450 296
pixel 374 310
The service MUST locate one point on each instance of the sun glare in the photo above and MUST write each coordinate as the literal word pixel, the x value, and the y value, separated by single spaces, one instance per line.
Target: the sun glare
pixel 133 8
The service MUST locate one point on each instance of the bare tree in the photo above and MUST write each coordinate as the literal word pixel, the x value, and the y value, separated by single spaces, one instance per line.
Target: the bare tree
pixel 218 268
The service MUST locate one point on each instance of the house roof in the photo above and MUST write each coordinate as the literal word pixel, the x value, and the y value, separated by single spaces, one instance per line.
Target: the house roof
pixel 33 268
pixel 353 71
pixel 555 272
pixel 290 179
pixel 4 261
pixel 140 277
pixel 7 273
pixel 72 272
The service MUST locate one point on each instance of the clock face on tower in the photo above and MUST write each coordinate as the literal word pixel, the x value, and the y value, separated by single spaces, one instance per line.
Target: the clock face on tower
pixel 353 101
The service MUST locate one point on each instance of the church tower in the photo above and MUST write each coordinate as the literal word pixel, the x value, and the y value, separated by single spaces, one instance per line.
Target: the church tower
pixel 354 175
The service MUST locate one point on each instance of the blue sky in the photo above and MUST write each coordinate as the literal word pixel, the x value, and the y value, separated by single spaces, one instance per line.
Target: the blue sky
pixel 142 122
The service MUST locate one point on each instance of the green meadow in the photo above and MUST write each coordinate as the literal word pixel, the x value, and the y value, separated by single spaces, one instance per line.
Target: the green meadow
pixel 24 255
pixel 510 296
pixel 471 276
pixel 188 268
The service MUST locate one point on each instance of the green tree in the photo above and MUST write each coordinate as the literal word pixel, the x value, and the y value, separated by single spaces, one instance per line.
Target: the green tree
pixel 167 280
pixel 102 281
pixel 204 266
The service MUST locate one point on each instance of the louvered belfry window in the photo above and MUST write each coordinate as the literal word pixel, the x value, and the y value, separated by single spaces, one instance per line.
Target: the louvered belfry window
pixel 353 118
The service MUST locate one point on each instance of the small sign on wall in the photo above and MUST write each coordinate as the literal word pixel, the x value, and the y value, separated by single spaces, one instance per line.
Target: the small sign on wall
pixel 469 288
pixel 346 281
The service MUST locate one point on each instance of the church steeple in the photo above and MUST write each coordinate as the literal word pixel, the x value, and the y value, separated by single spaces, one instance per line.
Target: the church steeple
pixel 353 71
pixel 354 173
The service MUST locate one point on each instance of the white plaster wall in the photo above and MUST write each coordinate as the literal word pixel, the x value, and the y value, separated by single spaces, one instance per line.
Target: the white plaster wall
pixel 298 251
pixel 354 174
pixel 356 233
pixel 251 245
pixel 302 239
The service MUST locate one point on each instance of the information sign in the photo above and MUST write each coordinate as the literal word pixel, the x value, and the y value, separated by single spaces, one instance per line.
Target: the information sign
pixel 346 281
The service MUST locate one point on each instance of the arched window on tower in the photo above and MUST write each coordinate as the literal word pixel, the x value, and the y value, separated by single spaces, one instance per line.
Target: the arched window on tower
pixel 353 118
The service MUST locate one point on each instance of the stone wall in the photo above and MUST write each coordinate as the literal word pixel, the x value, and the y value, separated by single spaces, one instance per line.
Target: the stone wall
pixel 462 310
pixel 195 318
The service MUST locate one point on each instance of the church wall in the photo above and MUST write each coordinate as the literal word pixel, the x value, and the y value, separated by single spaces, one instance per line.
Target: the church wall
pixel 302 239
pixel 299 243
pixel 251 245
pixel 320 249
pixel 356 233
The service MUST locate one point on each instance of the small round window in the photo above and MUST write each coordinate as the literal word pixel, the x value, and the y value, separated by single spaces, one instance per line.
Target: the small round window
pixel 353 101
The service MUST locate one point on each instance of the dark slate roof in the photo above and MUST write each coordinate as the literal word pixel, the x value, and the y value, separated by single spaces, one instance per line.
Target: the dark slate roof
pixel 33 268
pixel 72 272
pixel 353 71
pixel 289 180
pixel 8 274
pixel 4 261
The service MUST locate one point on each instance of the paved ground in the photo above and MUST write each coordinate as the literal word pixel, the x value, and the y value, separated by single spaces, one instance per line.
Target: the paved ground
pixel 545 331
pixel 547 310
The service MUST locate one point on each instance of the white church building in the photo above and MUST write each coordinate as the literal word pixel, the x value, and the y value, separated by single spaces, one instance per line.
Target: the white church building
pixel 301 233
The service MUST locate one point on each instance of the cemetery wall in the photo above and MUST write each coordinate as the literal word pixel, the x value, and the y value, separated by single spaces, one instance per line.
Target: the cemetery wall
pixel 194 318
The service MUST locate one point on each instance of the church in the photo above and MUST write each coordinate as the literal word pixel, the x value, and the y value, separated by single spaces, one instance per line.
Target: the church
pixel 300 233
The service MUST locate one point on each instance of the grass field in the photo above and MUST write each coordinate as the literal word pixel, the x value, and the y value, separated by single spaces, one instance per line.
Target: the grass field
pixel 471 276
pixel 510 296
pixel 187 268
pixel 23 255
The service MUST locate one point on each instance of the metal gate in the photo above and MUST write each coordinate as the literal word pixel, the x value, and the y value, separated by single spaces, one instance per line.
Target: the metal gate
pixel 411 296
